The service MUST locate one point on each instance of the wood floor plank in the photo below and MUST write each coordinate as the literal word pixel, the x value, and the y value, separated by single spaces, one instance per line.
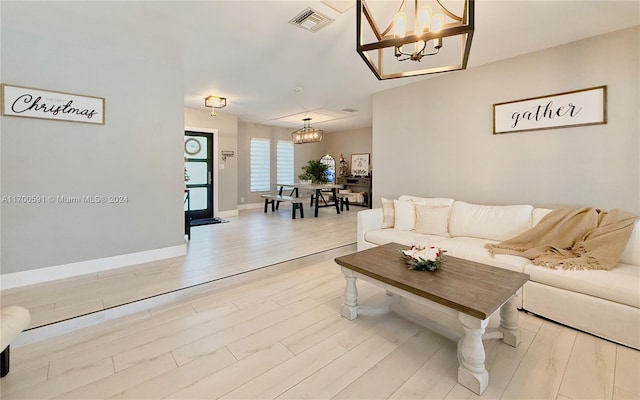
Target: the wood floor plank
pixel 113 384
pixel 591 369
pixel 235 375
pixel 223 337
pixel 186 337
pixel 540 373
pixel 179 378
pixel 133 343
pixel 316 333
pixel 91 371
pixel 286 375
pixel 266 337
pixel 627 375
pixel 22 380
pixel 335 376
pixel 389 374
pixel 437 376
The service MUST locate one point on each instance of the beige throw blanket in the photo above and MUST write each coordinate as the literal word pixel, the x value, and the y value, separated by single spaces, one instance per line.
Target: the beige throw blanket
pixel 572 238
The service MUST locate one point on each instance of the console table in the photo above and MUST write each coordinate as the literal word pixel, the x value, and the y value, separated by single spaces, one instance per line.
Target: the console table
pixel 357 184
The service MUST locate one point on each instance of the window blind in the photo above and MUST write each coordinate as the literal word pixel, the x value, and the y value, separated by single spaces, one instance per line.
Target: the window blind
pixel 260 165
pixel 284 162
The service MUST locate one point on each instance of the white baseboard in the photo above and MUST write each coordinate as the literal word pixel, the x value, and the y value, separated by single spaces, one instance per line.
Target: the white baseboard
pixel 250 206
pixel 227 213
pixel 46 274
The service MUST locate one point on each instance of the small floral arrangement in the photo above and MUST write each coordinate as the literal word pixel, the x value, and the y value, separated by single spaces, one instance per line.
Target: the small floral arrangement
pixel 425 259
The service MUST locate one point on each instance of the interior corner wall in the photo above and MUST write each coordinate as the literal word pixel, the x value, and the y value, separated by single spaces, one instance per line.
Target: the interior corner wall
pixel 434 137
pixel 227 126
pixel 136 155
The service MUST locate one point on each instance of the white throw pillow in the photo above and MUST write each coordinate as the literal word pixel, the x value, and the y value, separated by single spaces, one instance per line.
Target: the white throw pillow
pixel 432 220
pixel 405 215
pixel 388 213
pixel 489 222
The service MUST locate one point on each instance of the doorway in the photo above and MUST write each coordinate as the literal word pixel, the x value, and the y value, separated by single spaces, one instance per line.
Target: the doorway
pixel 198 175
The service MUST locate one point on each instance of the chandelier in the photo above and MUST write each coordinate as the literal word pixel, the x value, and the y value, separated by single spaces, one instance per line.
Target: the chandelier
pixel 424 39
pixel 307 134
pixel 215 102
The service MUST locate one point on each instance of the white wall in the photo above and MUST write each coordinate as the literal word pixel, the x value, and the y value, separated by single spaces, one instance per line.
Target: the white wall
pixel 137 154
pixel 434 137
pixel 353 141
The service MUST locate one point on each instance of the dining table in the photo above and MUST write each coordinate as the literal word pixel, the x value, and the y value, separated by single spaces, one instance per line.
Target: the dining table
pixel 318 188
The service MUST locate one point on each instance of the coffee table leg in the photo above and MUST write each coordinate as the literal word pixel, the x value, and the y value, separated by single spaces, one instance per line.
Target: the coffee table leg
pixel 509 322
pixel 349 308
pixel 471 371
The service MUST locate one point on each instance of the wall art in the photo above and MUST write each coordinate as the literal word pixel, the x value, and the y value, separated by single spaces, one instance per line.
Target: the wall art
pixel 20 101
pixel 360 164
pixel 575 108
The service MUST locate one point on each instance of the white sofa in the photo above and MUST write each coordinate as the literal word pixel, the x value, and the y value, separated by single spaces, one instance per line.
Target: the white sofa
pixel 603 303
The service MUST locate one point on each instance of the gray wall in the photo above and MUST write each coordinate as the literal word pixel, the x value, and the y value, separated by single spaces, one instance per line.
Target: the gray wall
pixel 227 127
pixel 434 137
pixel 334 143
pixel 137 153
pixel 355 141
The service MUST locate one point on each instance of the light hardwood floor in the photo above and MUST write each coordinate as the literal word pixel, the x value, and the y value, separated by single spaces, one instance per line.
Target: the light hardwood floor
pixel 277 333
pixel 250 241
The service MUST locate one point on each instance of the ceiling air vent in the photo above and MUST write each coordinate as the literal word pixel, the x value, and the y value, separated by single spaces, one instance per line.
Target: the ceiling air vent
pixel 311 20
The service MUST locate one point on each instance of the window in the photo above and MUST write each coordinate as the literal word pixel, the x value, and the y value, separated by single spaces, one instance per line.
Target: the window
pixel 284 165
pixel 260 165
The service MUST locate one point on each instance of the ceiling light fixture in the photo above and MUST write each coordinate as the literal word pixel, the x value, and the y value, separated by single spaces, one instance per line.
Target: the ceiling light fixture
pixel 415 36
pixel 307 134
pixel 215 102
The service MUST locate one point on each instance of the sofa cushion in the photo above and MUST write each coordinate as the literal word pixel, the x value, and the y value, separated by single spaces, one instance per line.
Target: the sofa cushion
pixel 631 253
pixel 383 236
pixel 388 213
pixel 405 215
pixel 473 249
pixel 619 284
pixel 489 222
pixel 433 220
pixel 538 214
pixel 429 201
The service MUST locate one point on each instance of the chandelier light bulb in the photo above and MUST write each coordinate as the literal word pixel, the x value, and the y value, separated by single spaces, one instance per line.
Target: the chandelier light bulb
pixel 424 20
pixel 400 24
pixel 437 23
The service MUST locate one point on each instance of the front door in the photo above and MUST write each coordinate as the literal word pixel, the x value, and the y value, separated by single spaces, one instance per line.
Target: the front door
pixel 198 166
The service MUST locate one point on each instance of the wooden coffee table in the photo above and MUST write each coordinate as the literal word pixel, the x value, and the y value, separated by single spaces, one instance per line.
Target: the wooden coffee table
pixel 472 290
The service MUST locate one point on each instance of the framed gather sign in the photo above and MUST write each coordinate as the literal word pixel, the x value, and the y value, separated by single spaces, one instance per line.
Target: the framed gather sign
pixel 576 108
pixel 20 101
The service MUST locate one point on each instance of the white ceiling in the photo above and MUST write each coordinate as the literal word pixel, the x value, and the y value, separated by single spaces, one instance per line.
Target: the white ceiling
pixel 275 73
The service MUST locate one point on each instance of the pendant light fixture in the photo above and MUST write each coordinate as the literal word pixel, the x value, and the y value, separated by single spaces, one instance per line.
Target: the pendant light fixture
pixel 215 102
pixel 307 134
pixel 420 38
